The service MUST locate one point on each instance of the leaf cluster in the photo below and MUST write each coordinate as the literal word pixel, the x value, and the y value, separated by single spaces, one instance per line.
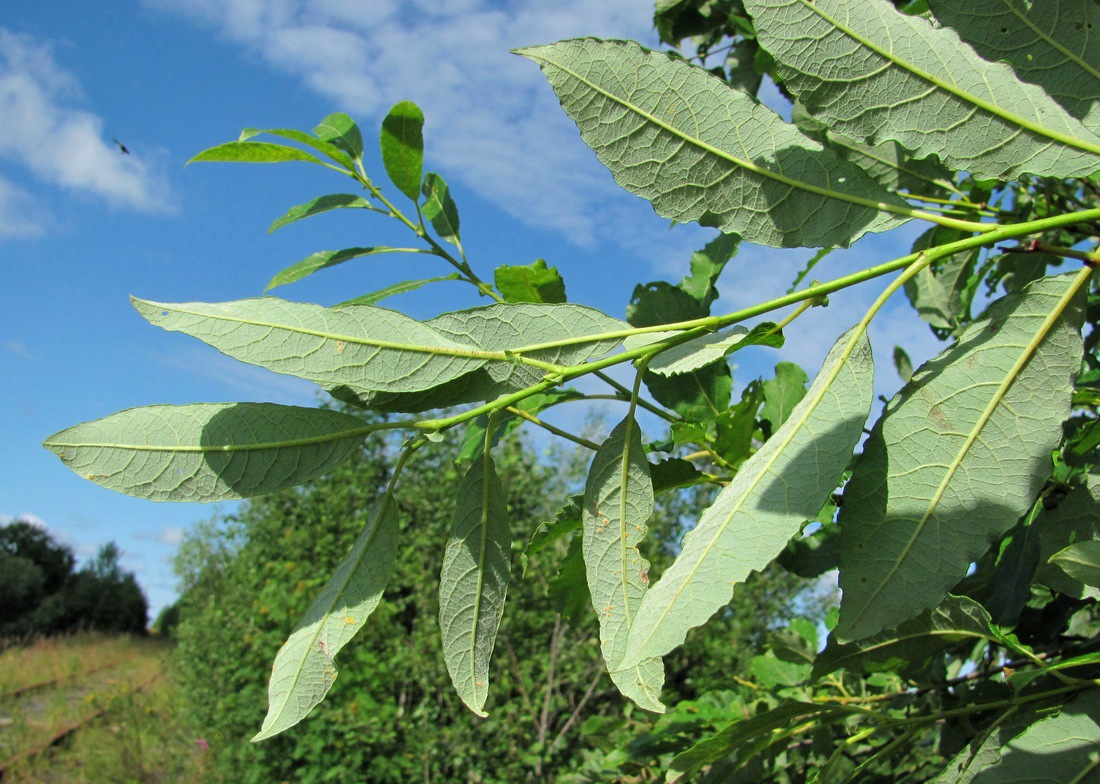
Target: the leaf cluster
pixel 962 526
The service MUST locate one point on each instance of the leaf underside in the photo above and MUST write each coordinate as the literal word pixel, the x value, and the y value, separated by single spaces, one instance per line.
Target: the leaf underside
pixel 618 502
pixel 304 669
pixel 957 458
pixel 474 582
pixel 208 451
pixel 1051 43
pixel 873 73
pixel 357 346
pixel 699 150
pixel 772 494
pixel 507 327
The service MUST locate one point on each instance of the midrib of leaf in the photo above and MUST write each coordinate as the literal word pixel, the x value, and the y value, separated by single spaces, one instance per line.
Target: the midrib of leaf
pixel 468 353
pixel 624 465
pixel 763 474
pixel 483 544
pixel 996 111
pixel 1069 54
pixel 828 193
pixel 305 441
pixel 1002 389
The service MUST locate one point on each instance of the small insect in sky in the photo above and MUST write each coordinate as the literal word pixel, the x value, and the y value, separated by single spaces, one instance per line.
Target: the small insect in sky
pixel 121 147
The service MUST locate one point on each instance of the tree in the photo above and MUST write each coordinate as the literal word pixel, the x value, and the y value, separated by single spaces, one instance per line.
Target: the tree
pixel 34 574
pixel 392 716
pixel 965 641
pixel 41 594
pixel 104 597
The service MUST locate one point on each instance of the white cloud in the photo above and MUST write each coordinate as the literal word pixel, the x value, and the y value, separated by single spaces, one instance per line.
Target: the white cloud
pixel 492 120
pixel 170 535
pixel 17 347
pixel 255 383
pixel 59 144
pixel 20 214
pixel 25 517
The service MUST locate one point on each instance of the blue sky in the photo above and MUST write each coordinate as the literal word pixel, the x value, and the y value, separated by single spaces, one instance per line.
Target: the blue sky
pixel 83 227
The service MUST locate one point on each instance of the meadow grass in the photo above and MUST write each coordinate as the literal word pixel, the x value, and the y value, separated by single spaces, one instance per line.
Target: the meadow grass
pixel 138 733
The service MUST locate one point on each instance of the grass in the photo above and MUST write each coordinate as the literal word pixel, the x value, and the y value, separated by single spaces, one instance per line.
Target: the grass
pixel 116 696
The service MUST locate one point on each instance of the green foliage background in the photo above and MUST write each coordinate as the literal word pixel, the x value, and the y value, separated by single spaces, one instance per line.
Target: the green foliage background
pixel 393 715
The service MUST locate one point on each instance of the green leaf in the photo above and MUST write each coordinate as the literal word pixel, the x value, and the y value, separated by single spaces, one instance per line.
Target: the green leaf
pixel 771 672
pixel 403 287
pixel 440 208
pixel 475 387
pixel 530 283
pixel 903 364
pixel 941 293
pixel 1057 748
pixel 706 266
pixel 333 201
pixel 208 451
pixel 403 148
pixel 672 474
pixel 659 303
pixel 1080 561
pixel 736 433
pixel 356 346
pixel 566 521
pixel 304 669
pixel 737 737
pixel 986 748
pixel 702 395
pixel 815 553
pixel 782 393
pixel 912 643
pixel 872 73
pixel 1077 519
pixel 253 152
pixel 705 349
pixel 796 644
pixel 668 135
pixel 1050 43
pixel 514 327
pixel 473 443
pixel 474 582
pixel 957 457
pixel 568 589
pixel 618 502
pixel 328 149
pixel 1009 588
pixel 341 131
pixel 770 497
pixel 323 259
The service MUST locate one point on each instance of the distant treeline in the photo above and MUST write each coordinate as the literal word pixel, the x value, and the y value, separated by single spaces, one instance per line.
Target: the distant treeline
pixel 42 592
